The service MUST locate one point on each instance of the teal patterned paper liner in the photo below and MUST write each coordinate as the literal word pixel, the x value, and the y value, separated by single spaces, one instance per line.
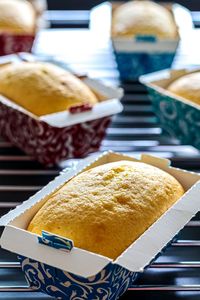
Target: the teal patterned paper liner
pixel 178 118
pixel 145 54
pixel 55 241
pixel 131 65
pixel 141 54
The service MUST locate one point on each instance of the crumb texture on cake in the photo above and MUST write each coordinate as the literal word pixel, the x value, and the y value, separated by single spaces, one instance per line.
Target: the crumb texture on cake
pixel 143 18
pixel 43 88
pixel 17 17
pixel 187 86
pixel 106 208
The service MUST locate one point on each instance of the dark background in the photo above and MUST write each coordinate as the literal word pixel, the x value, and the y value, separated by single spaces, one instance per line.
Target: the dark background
pixel 87 4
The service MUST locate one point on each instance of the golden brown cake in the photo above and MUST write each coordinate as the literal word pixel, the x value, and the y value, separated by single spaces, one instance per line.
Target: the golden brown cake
pixel 143 18
pixel 187 87
pixel 106 208
pixel 43 88
pixel 39 5
pixel 17 17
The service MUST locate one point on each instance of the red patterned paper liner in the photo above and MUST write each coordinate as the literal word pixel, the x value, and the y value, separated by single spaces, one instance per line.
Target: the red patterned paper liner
pixel 50 144
pixel 15 43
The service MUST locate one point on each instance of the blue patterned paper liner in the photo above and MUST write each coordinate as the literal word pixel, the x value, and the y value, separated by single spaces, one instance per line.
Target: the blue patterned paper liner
pixel 109 284
pixel 179 119
pixel 55 241
pixel 131 65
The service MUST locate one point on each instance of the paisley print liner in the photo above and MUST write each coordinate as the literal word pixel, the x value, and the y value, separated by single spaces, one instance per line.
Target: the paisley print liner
pixel 15 43
pixel 131 65
pixel 178 118
pixel 49 144
pixel 109 284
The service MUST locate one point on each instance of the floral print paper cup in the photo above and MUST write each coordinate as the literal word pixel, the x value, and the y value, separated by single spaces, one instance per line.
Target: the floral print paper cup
pixel 179 117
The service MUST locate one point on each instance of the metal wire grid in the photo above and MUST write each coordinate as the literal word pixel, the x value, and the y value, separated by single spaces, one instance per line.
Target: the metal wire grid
pixel 174 274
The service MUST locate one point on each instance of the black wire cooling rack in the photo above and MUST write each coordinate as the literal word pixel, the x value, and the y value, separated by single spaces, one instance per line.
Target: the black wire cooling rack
pixel 176 273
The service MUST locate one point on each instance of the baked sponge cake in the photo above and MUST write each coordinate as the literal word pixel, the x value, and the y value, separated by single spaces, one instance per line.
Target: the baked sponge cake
pixel 17 17
pixel 187 87
pixel 143 18
pixel 106 208
pixel 43 88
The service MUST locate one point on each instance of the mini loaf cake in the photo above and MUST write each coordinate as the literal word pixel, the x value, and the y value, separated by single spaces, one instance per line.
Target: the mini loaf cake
pixel 106 208
pixel 187 87
pixel 43 88
pixel 143 18
pixel 17 17
pixel 39 5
